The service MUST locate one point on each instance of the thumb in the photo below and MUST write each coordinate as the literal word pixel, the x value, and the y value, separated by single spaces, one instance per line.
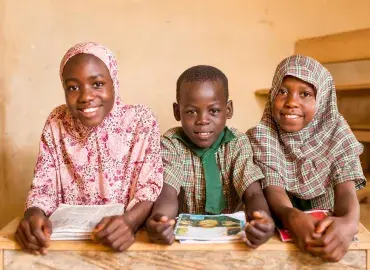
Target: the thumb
pixel 259 214
pixel 101 225
pixel 159 217
pixel 323 225
pixel 48 228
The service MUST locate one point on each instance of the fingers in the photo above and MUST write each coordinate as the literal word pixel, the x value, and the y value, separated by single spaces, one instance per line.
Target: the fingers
pixel 266 227
pixel 107 226
pixel 120 240
pixel 244 238
pixel 336 255
pixel 23 241
pixel 323 225
pixel 254 232
pixel 160 229
pixel 101 225
pixel 159 226
pixel 261 215
pixel 322 251
pixel 36 226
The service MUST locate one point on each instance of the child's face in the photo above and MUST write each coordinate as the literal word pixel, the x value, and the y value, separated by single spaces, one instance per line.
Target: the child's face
pixel 203 110
pixel 294 105
pixel 88 89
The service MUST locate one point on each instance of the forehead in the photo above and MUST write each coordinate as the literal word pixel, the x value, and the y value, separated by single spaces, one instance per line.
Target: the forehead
pixel 93 63
pixel 290 80
pixel 194 91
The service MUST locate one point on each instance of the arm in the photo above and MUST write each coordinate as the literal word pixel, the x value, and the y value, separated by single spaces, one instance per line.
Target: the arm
pixel 118 232
pixel 246 176
pixel 261 226
pixel 279 202
pixel 347 206
pixel 300 225
pixel 338 231
pixel 34 230
pixel 254 200
pixel 162 220
pixel 167 203
pixel 148 177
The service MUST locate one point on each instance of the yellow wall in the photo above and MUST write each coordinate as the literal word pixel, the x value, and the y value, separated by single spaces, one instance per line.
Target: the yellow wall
pixel 154 40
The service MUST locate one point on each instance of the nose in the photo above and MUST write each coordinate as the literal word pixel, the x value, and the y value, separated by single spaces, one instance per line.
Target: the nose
pixel 86 95
pixel 292 101
pixel 202 119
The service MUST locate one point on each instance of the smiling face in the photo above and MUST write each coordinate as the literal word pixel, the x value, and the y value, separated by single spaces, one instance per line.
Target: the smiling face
pixel 294 105
pixel 202 110
pixel 88 87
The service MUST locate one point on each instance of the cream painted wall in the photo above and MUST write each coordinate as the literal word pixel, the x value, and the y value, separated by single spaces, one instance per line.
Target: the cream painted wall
pixel 154 41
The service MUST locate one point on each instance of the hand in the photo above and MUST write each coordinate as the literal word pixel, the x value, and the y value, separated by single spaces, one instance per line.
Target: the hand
pixel 258 230
pixel 115 232
pixel 160 229
pixel 302 227
pixel 33 234
pixel 338 233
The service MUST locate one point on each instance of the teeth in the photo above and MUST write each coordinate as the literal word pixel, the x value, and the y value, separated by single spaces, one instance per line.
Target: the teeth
pixel 203 134
pixel 89 110
pixel 291 116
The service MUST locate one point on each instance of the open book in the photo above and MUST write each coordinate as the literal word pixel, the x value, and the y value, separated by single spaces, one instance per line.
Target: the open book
pixel 209 228
pixel 317 214
pixel 76 222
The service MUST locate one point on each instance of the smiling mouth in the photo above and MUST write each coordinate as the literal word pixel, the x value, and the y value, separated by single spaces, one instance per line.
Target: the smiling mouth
pixel 203 135
pixel 291 116
pixel 88 112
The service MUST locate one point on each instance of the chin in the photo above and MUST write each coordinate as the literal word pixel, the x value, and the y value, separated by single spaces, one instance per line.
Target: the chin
pixel 90 123
pixel 291 129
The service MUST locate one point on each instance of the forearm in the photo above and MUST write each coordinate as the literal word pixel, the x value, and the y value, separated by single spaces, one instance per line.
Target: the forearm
pixel 346 204
pixel 167 202
pixel 138 214
pixel 279 202
pixel 254 200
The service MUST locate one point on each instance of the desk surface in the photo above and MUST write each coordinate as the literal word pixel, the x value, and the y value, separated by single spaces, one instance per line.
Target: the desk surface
pixel 142 243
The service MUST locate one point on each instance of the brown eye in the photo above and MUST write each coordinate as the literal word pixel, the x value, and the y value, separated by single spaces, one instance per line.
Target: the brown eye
pixel 215 111
pixel 191 112
pixel 72 88
pixel 98 84
pixel 282 92
pixel 306 94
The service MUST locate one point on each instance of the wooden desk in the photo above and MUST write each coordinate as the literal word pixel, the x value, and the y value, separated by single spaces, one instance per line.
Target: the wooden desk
pixel 145 255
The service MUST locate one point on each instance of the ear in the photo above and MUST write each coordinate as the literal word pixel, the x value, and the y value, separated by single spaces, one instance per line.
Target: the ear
pixel 176 111
pixel 229 109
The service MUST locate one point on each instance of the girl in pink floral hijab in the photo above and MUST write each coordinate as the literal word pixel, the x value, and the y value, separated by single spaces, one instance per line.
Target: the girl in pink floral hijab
pixel 94 150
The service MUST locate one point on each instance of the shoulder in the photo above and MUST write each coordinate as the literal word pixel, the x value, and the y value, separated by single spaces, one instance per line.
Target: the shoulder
pixel 172 131
pixel 57 113
pixel 240 144
pixel 240 137
pixel 56 117
pixel 140 111
pixel 169 141
pixel 140 116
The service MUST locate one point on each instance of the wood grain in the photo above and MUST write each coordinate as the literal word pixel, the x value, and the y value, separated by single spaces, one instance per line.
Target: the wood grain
pixel 180 260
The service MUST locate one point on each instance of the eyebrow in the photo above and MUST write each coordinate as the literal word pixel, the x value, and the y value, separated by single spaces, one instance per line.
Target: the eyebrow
pixel 96 76
pixel 209 105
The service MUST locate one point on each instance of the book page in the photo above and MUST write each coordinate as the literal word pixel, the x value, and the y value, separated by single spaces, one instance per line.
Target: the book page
pixel 82 218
